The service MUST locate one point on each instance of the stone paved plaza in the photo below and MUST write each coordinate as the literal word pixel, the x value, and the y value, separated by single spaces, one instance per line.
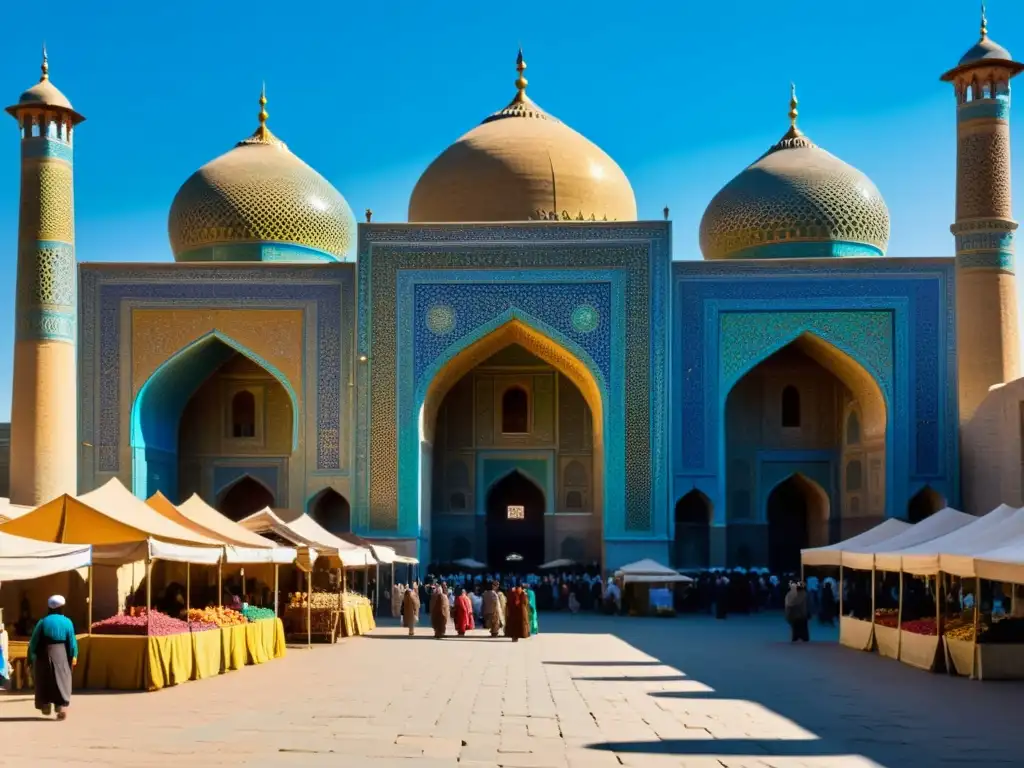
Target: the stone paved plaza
pixel 588 691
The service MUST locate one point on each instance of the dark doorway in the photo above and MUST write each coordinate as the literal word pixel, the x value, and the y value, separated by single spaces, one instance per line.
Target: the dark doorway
pixel 509 534
pixel 787 525
pixel 332 511
pixel 245 497
pixel 925 503
pixel 693 531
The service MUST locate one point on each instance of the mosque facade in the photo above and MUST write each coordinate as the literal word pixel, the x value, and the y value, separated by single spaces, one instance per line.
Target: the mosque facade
pixel 522 368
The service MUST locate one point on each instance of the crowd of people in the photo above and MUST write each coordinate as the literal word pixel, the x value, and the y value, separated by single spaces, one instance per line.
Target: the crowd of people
pixel 512 611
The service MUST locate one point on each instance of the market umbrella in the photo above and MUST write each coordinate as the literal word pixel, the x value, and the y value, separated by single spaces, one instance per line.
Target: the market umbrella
pixel 513 558
pixel 470 563
pixel 561 562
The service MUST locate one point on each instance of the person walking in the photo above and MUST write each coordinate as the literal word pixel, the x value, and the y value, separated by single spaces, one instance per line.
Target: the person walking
pixel 463 614
pixel 493 610
pixel 796 612
pixel 532 610
pixel 440 611
pixel 517 620
pixel 52 653
pixel 410 610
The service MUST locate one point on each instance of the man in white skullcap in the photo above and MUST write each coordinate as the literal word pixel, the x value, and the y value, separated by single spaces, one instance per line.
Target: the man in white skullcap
pixel 52 652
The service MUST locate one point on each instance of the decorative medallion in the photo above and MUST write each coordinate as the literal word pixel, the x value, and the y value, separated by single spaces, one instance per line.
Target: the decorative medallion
pixel 440 319
pixel 585 318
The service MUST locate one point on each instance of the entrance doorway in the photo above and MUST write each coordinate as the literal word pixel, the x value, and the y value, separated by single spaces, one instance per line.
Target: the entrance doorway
pixel 515 523
pixel 331 510
pixel 925 503
pixel 792 505
pixel 693 531
pixel 243 498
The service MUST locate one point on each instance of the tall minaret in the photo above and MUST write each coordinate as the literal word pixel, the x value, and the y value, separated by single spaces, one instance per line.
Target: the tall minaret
pixel 986 289
pixel 44 427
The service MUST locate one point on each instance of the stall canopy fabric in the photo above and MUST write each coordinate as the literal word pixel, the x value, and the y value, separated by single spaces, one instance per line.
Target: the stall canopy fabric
pixel 241 544
pixel 470 563
pixel 305 531
pixel 406 560
pixel 832 554
pixel 352 555
pixel 1005 564
pixel 10 511
pixel 379 552
pixel 561 562
pixel 650 572
pixel 22 558
pixel 923 559
pixel 963 561
pixel 108 515
pixel 942 522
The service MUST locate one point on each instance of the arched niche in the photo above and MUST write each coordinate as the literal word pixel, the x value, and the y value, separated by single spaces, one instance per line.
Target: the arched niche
pixel 332 511
pixel 243 497
pixel 925 503
pixel 797 511
pixel 693 515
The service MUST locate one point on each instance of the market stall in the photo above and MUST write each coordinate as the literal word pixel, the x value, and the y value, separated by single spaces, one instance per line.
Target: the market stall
pixel 647 587
pixel 24 564
pixel 920 620
pixel 261 633
pixel 856 628
pixel 879 625
pixel 325 613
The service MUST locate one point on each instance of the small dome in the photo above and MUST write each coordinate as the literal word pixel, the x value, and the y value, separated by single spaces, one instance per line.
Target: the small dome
pixel 259 202
pixel 985 50
pixel 521 164
pixel 796 200
pixel 45 94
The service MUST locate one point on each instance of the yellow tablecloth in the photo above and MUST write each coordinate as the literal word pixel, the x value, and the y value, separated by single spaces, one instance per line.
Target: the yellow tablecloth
pixel 232 648
pixel 170 660
pixel 206 652
pixel 359 619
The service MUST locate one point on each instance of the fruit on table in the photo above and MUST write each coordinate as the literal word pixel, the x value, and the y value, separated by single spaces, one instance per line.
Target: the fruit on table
pixel 319 601
pixel 217 616
pixel 137 622
pixel 921 627
pixel 252 613
pixel 887 617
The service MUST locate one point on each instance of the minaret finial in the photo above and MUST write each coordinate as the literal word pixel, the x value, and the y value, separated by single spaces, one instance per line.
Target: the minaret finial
pixel 262 130
pixel 984 21
pixel 793 113
pixel 46 66
pixel 521 81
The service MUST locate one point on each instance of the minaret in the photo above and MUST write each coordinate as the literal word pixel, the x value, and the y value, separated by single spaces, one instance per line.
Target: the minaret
pixel 44 427
pixel 986 287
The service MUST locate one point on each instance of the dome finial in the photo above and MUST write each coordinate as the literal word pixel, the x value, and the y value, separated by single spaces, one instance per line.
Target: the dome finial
pixel 263 115
pixel 984 21
pixel 45 66
pixel 793 103
pixel 521 82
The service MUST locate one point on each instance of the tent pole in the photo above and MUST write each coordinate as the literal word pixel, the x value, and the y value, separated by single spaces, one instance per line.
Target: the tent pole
pixel 376 587
pixel 277 568
pixel 188 589
pixel 840 593
pixel 220 586
pixel 90 600
pixel 309 607
pixel 977 622
pixel 899 619
pixel 243 584
pixel 149 594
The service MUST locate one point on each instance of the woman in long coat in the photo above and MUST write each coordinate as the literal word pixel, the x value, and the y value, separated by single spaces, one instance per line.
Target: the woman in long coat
pixel 52 652
pixel 410 610
pixel 796 612
pixel 440 611
pixel 517 620
pixel 463 614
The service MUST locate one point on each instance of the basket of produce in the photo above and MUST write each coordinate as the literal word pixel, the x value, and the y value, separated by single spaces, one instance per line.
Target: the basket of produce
pixel 321 610
pixel 217 616
pixel 154 624
pixel 887 617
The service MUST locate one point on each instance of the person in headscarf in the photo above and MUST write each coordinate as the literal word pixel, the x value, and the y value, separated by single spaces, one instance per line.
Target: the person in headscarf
pixel 410 610
pixel 440 611
pixel 493 609
pixel 397 599
pixel 796 612
pixel 52 652
pixel 532 609
pixel 517 620
pixel 463 614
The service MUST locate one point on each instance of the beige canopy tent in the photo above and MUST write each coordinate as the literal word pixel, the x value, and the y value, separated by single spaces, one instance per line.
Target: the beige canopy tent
pixel 832 554
pixel 1003 563
pixel 305 531
pixel 650 572
pixel 22 558
pixel 942 522
pixel 241 546
pixel 924 559
pixel 352 555
pixel 999 543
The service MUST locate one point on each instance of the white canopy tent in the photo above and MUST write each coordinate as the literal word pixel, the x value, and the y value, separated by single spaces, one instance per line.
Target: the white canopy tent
pixel 996 549
pixel 650 572
pixel 923 559
pixel 22 558
pixel 305 531
pixel 832 554
pixel 942 522
pixel 1004 563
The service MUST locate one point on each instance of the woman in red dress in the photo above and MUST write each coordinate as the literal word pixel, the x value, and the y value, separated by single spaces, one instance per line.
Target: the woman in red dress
pixel 463 614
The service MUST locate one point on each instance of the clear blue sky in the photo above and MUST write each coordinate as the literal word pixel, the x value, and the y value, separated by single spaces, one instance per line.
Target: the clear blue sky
pixel 682 94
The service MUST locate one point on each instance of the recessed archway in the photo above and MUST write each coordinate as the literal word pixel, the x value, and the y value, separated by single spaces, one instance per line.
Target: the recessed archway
pixel 175 438
pixel 515 521
pixel 795 507
pixel 924 504
pixel 573 368
pixel 243 497
pixel 693 531
pixel 332 511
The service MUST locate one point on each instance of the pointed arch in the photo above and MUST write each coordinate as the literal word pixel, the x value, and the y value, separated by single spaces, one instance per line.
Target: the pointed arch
pixel 244 496
pixel 797 510
pixel 925 503
pixel 158 406
pixel 516 471
pixel 331 510
pixel 692 530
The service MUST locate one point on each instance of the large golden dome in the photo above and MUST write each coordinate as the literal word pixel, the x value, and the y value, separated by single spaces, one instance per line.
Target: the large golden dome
pixel 796 201
pixel 520 164
pixel 259 202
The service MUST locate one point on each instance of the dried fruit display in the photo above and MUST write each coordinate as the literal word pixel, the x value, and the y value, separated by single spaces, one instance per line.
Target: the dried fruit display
pixel 887 617
pixel 921 627
pixel 136 622
pixel 325 601
pixel 218 616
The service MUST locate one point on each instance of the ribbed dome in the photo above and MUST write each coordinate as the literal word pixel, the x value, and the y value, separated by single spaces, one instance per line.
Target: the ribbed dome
pixel 797 200
pixel 521 164
pixel 259 202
